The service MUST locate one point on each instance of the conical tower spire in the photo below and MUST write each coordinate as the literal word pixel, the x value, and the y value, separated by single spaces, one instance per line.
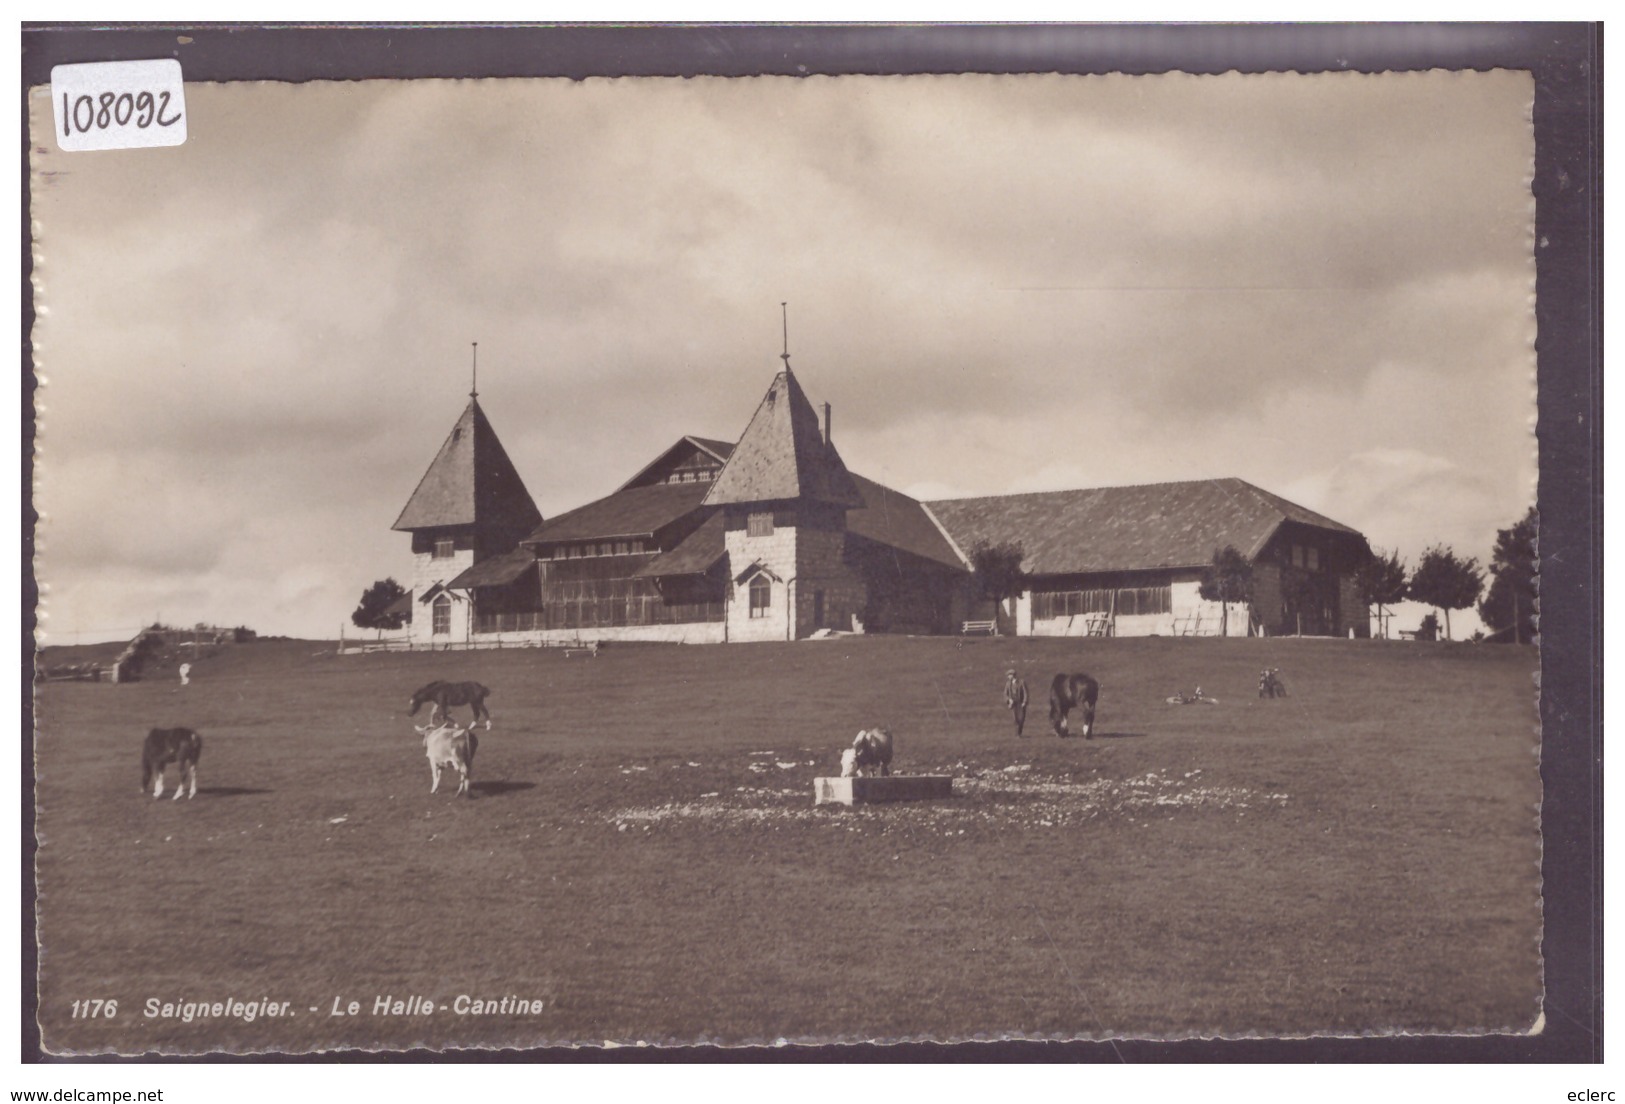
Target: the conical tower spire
pixel 784 454
pixel 472 482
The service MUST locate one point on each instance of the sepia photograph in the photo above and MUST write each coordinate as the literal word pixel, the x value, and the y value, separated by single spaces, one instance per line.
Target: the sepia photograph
pixel 766 561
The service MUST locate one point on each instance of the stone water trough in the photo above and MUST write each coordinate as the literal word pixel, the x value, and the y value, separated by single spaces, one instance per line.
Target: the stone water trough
pixel 863 790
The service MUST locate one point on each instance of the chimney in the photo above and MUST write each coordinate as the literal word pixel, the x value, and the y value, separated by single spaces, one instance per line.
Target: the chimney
pixel 826 423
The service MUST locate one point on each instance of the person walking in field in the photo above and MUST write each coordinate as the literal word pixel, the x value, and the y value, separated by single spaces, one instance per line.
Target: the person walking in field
pixel 1015 698
pixel 186 673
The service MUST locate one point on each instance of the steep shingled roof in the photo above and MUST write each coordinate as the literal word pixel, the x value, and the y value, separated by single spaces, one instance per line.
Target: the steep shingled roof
pixel 1154 525
pixel 470 479
pixel 782 455
pixel 694 554
pixel 633 512
pixel 497 570
pixel 893 518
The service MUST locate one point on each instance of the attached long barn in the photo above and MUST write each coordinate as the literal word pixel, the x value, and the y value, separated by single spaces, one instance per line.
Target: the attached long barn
pixel 1128 561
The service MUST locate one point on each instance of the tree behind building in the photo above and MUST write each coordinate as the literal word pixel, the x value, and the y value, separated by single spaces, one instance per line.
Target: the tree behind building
pixel 1229 578
pixel 1512 601
pixel 1382 581
pixel 996 570
pixel 1446 582
pixel 373 612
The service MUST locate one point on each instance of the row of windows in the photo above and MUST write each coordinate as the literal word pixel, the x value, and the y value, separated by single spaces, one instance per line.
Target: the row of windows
pixel 761 601
pixel 693 475
pixel 1123 601
pixel 595 548
pixel 446 548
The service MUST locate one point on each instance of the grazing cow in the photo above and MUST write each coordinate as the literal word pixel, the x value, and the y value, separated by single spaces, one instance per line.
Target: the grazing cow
pixel 1015 698
pixel 1270 684
pixel 870 753
pixel 441 696
pixel 164 746
pixel 1068 692
pixel 451 747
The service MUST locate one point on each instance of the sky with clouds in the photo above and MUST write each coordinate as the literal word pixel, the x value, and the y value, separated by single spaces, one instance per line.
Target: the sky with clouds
pixel 253 344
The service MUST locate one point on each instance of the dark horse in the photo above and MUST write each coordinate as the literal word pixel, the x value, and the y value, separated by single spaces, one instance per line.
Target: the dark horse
pixel 443 695
pixel 1067 692
pixel 163 746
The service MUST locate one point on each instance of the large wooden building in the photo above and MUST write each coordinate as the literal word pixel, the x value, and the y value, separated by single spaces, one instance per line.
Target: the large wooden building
pixel 772 538
pixel 1128 561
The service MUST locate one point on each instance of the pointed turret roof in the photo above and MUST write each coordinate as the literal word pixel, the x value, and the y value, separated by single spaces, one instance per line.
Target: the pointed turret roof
pixel 783 455
pixel 471 482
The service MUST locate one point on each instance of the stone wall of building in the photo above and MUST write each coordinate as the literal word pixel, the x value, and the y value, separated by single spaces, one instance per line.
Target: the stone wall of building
pixel 821 569
pixel 805 556
pixel 427 570
pixel 777 553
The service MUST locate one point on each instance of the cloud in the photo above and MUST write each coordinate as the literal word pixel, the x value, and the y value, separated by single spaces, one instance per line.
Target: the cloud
pixel 1409 500
pixel 256 341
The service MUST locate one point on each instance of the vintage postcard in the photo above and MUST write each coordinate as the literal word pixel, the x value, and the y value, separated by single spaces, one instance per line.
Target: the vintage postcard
pixel 541 562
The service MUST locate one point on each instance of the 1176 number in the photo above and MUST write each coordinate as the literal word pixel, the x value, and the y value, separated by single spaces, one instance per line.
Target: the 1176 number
pixel 90 1009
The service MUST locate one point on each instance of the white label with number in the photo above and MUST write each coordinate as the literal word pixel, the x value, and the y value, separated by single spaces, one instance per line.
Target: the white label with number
pixel 119 104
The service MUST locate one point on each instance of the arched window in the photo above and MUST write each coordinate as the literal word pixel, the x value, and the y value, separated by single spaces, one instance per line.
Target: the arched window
pixel 442 616
pixel 761 596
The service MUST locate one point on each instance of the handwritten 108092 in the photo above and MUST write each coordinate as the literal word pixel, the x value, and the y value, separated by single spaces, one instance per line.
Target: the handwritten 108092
pixel 143 108
pixel 119 104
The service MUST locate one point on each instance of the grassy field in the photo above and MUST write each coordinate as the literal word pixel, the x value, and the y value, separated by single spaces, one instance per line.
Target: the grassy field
pixel 641 852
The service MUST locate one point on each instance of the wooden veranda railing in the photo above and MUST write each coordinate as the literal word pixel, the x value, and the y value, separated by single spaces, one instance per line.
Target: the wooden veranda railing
pixel 598 613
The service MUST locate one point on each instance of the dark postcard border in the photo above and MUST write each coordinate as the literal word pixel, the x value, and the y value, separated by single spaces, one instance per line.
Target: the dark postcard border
pixel 1566 59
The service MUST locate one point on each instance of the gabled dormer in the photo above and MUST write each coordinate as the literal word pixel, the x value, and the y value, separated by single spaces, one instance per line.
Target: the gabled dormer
pixel 690 460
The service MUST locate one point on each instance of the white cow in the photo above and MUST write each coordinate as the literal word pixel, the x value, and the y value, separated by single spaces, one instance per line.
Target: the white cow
pixel 449 746
pixel 869 754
